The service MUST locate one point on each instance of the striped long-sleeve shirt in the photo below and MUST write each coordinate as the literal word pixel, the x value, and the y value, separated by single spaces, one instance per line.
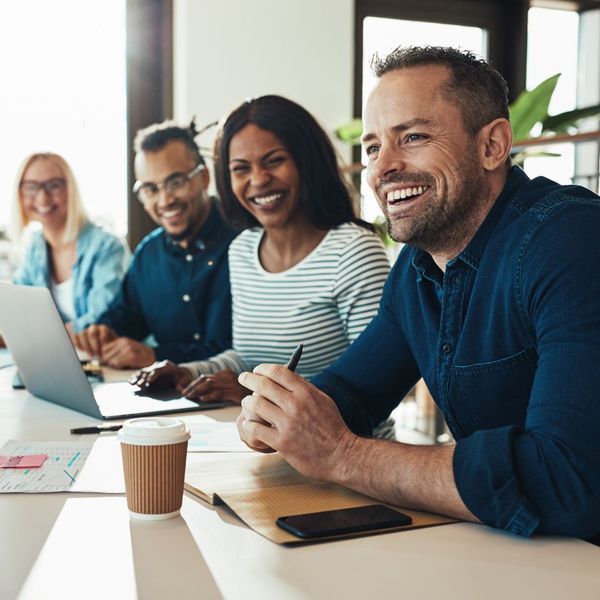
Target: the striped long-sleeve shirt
pixel 324 301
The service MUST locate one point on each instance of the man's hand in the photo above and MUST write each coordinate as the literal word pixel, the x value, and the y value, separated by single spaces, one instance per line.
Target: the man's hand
pixel 162 374
pixel 222 385
pixel 125 353
pixel 287 414
pixel 290 415
pixel 93 339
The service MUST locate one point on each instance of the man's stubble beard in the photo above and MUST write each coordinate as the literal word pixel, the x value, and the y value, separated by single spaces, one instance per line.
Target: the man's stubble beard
pixel 445 223
pixel 193 226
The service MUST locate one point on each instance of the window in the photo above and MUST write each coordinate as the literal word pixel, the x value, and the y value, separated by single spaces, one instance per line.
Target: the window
pixel 546 58
pixel 64 91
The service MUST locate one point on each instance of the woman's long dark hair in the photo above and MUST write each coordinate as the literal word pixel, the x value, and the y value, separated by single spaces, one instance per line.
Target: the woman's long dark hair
pixel 324 195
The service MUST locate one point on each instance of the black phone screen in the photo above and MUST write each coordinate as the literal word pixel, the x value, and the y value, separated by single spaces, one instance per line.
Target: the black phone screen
pixel 346 520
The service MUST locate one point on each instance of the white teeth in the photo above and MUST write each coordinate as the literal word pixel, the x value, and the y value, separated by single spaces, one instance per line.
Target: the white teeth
pixel 167 214
pixel 405 193
pixel 267 200
pixel 44 210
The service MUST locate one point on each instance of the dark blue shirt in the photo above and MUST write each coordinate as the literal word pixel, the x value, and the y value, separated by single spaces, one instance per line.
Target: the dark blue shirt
pixel 508 342
pixel 180 296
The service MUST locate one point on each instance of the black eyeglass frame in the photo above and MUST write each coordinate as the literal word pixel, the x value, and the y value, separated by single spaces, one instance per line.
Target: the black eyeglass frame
pixel 139 186
pixel 43 185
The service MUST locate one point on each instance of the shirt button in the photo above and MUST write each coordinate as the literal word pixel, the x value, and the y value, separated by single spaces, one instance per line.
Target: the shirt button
pixel 210 262
pixel 189 257
pixel 446 348
pixel 186 297
pixel 196 336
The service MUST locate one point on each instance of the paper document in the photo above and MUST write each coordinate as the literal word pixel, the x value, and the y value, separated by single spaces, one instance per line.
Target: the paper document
pixel 70 467
pixel 210 435
pixel 58 473
pixel 103 470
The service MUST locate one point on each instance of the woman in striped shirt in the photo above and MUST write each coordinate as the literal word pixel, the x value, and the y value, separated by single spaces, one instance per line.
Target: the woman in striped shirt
pixel 304 268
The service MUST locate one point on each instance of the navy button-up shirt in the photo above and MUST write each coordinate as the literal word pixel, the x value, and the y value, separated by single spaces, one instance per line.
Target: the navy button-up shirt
pixel 508 341
pixel 179 296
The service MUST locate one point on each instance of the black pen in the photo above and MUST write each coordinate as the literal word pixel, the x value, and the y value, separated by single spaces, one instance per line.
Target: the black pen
pixel 295 358
pixel 96 429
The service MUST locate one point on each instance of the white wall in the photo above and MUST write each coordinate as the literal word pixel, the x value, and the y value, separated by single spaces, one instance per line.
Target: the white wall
pixel 229 50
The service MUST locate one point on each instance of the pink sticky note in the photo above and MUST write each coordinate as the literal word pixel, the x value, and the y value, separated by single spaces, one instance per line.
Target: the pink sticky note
pixel 30 461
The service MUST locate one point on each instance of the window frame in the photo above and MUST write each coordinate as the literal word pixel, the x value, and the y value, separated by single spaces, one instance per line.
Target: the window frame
pixel 149 89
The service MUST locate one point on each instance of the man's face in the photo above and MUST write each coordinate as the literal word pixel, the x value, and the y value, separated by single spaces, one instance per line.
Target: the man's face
pixel 182 212
pixel 423 165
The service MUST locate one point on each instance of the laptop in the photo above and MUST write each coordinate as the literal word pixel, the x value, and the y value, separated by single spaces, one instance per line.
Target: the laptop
pixel 51 370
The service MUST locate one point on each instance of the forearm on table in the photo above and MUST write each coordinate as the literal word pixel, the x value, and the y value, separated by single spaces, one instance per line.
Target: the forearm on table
pixel 417 477
pixel 229 359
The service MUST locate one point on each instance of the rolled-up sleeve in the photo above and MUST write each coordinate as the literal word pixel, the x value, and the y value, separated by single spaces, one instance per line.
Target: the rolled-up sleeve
pixel 544 477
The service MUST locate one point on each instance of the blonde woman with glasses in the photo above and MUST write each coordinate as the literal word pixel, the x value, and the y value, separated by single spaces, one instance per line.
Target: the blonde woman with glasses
pixel 81 263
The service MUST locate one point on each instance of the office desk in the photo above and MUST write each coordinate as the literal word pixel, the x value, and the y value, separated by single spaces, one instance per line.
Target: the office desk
pixel 85 546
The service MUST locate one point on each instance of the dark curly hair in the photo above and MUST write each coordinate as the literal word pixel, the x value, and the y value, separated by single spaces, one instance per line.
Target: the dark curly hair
pixel 479 91
pixel 324 195
pixel 155 137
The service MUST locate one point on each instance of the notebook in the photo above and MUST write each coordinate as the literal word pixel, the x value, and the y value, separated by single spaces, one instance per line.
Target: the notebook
pixel 259 488
pixel 51 370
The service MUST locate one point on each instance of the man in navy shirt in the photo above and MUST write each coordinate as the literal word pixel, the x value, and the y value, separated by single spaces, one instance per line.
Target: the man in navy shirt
pixel 175 300
pixel 494 301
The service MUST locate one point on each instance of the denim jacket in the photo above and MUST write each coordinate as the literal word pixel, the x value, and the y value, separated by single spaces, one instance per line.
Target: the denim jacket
pixel 100 265
pixel 508 341
pixel 179 296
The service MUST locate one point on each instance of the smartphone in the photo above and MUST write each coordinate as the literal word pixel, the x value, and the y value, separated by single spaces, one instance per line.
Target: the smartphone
pixel 345 520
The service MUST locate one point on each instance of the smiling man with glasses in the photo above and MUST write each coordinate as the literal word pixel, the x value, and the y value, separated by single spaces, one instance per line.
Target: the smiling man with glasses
pixel 175 300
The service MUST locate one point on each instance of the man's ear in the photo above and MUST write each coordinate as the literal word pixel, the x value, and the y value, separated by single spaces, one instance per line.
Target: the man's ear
pixel 495 142
pixel 204 178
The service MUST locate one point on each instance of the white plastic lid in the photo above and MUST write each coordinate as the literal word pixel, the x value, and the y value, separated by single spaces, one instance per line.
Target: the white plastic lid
pixel 153 431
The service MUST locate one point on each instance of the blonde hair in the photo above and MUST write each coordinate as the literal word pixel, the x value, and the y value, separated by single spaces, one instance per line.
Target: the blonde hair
pixel 76 215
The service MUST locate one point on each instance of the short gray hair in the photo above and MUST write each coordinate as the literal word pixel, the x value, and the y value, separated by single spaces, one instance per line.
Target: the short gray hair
pixel 479 91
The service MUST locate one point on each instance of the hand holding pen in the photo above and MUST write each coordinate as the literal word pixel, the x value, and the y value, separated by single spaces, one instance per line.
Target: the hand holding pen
pixel 248 414
pixel 290 415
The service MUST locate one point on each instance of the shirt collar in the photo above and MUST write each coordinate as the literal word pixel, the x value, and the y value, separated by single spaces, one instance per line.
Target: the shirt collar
pixel 472 254
pixel 206 234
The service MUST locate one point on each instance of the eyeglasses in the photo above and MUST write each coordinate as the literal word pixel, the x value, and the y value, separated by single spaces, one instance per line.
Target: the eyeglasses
pixel 52 187
pixel 147 192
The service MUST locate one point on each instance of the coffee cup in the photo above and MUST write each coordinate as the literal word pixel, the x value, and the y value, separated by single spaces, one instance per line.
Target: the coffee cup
pixel 154 452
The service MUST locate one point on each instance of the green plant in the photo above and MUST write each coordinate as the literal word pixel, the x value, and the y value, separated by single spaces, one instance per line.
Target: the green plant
pixel 531 108
pixel 530 111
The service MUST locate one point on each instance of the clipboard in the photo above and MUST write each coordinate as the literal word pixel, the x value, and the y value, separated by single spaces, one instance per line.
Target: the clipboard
pixel 258 488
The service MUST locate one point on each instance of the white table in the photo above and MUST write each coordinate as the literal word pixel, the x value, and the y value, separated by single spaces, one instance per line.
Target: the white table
pixel 84 546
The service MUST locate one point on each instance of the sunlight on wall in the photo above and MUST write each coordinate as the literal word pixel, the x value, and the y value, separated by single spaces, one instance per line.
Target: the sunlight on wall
pixel 63 82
